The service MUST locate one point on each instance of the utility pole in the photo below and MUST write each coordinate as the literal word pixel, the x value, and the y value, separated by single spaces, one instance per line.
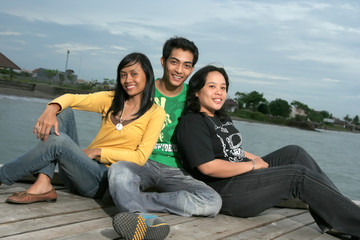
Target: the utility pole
pixel 67 58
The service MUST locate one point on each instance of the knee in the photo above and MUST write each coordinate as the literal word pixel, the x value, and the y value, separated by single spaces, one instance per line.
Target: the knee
pixel 121 173
pixel 294 148
pixel 60 139
pixel 211 203
pixel 300 154
pixel 67 113
pixel 297 150
pixel 215 204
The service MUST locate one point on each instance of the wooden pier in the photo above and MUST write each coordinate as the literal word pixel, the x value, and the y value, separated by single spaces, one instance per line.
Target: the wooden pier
pixel 75 217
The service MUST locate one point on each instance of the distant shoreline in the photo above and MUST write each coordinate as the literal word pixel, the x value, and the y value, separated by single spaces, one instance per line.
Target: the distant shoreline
pixel 37 90
pixel 40 94
pixel 25 93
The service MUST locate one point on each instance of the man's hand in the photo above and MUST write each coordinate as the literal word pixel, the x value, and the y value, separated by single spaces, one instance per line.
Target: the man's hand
pixel 46 121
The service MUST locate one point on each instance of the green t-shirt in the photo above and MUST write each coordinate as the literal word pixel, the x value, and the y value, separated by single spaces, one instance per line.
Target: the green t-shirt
pixel 166 150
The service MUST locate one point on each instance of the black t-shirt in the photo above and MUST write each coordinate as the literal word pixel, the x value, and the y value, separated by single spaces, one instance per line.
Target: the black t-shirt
pixel 202 139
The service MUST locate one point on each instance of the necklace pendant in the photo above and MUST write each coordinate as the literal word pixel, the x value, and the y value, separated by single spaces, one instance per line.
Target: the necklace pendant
pixel 119 126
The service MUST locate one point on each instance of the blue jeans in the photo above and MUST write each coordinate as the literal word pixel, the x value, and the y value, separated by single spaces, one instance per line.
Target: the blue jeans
pixel 79 173
pixel 178 192
pixel 292 173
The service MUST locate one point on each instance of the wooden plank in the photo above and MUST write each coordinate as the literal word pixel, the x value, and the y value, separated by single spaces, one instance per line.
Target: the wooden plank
pixel 222 226
pixel 310 232
pixel 66 203
pixel 35 224
pixel 65 230
pixel 275 229
pixel 97 234
pixel 177 222
pixel 76 217
pixel 109 232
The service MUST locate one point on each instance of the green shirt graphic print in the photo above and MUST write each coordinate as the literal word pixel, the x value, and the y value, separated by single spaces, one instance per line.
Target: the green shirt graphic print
pixel 166 150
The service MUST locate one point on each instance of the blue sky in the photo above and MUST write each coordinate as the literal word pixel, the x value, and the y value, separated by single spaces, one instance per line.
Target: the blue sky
pixel 308 51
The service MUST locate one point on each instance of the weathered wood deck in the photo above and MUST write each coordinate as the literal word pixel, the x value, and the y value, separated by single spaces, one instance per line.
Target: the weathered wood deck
pixel 75 217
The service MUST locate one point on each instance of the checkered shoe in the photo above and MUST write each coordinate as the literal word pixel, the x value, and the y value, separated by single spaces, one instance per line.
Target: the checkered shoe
pixel 139 226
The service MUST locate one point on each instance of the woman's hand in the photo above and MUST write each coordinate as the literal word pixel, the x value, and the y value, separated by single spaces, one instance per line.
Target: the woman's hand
pixel 260 163
pixel 46 121
pixel 93 153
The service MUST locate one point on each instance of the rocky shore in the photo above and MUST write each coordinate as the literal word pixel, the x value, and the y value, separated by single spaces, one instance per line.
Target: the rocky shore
pixel 33 90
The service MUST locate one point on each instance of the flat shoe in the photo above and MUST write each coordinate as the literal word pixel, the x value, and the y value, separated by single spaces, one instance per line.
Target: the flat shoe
pixel 24 197
pixel 339 234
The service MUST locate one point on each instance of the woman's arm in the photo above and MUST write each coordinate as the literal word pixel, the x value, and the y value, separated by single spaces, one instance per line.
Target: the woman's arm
pixel 250 155
pixel 223 169
pixel 92 102
pixel 89 102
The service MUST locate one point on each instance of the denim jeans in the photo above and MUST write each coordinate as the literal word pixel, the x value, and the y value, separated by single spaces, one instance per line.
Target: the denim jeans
pixel 292 173
pixel 178 192
pixel 79 173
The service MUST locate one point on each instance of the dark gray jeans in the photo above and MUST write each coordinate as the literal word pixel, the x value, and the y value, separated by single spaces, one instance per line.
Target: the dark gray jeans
pixel 292 173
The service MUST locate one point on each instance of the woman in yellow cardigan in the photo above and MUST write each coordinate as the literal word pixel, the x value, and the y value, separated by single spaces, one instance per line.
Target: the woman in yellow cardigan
pixel 130 126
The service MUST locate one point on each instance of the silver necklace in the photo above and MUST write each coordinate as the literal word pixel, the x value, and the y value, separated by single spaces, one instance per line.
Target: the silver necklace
pixel 224 130
pixel 120 126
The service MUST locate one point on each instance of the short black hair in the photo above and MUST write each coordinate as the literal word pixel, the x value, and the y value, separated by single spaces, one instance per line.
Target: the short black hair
pixel 181 43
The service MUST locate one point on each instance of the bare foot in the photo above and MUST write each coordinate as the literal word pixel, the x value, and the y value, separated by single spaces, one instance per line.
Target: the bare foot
pixel 41 185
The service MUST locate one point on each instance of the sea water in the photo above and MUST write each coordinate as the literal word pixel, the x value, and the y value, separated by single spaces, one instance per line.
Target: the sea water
pixel 337 153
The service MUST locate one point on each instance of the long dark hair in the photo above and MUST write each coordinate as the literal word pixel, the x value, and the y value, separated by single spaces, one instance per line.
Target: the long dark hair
pixel 196 83
pixel 121 95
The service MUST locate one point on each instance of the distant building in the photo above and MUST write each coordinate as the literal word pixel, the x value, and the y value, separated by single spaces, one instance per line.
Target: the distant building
pixel 55 77
pixel 329 120
pixel 230 105
pixel 7 63
pixel 297 112
pixel 80 81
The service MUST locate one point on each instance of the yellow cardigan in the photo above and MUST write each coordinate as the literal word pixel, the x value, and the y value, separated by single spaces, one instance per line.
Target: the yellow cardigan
pixel 134 143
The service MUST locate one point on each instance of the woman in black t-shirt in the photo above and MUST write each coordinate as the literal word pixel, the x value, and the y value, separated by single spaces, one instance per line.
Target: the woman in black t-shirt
pixel 211 150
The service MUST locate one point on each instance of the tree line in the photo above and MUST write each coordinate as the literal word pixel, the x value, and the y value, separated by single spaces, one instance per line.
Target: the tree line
pixel 256 102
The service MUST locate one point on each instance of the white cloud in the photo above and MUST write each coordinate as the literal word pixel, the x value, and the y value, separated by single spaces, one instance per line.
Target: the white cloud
pixel 22 42
pixel 10 33
pixel 73 47
pixel 41 35
pixel 236 71
pixel 251 81
pixel 353 97
pixel 330 80
pixel 119 48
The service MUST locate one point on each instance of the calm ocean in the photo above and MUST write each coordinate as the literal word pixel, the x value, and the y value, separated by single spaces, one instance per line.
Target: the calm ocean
pixel 337 153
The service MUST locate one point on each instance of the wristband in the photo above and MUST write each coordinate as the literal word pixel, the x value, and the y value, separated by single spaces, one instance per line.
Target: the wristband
pixel 254 165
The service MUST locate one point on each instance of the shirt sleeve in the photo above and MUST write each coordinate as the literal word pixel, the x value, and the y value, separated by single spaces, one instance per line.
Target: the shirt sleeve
pixel 194 139
pixel 144 148
pixel 93 102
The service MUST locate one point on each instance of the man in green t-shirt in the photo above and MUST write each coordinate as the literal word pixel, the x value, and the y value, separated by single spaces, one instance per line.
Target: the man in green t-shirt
pixel 176 191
